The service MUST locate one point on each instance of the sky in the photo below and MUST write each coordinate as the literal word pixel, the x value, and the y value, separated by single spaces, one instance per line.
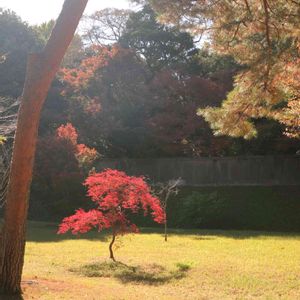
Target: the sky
pixel 39 11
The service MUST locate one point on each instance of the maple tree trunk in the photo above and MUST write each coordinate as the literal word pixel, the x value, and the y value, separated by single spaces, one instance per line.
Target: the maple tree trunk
pixel 41 69
pixel 111 252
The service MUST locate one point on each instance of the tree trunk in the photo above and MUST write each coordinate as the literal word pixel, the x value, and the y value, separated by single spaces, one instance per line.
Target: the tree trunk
pixel 111 252
pixel 165 210
pixel 41 69
pixel 166 228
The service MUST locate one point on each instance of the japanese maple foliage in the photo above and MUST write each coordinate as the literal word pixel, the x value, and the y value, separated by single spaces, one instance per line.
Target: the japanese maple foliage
pixel 84 154
pixel 115 195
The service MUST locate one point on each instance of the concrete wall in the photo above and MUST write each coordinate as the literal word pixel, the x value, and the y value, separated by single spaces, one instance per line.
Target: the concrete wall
pixel 221 171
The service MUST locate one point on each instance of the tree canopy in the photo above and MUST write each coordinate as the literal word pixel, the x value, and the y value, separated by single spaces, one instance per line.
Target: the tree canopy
pixel 17 40
pixel 158 44
pixel 262 36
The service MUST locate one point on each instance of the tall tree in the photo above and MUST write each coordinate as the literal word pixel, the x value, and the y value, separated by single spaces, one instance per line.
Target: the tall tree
pixel 109 93
pixel 159 45
pixel 105 26
pixel 263 36
pixel 41 69
pixel 173 120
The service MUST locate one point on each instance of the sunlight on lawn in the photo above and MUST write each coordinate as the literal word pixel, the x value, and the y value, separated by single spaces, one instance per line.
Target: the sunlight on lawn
pixel 191 265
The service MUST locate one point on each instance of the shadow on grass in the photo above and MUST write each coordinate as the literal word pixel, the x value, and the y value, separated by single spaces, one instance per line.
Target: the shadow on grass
pixel 210 234
pixel 47 232
pixel 11 297
pixel 204 238
pixel 242 234
pixel 150 274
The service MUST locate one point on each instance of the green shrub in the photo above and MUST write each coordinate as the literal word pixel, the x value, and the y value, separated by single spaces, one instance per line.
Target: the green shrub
pixel 243 207
pixel 203 209
pixel 256 208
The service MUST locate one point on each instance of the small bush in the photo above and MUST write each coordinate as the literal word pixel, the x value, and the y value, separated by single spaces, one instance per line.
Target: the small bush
pixel 254 208
pixel 204 210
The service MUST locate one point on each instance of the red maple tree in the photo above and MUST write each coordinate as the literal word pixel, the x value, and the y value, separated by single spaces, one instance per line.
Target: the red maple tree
pixel 116 195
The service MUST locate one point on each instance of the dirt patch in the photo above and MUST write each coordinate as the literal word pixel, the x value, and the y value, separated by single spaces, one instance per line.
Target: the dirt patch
pixel 35 288
pixel 48 289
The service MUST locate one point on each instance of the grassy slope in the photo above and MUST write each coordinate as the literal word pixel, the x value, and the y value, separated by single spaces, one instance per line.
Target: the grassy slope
pixel 191 265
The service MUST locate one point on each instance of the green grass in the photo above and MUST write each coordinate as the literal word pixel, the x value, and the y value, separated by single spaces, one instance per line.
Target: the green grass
pixel 193 264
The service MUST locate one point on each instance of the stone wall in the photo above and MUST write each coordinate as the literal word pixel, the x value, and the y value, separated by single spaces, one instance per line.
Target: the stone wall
pixel 221 171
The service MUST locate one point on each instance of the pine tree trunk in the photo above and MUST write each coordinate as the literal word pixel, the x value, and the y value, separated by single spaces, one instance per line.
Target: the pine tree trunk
pixel 41 69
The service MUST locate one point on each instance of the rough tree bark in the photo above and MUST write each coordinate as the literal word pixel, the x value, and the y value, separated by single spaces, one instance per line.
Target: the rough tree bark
pixel 41 69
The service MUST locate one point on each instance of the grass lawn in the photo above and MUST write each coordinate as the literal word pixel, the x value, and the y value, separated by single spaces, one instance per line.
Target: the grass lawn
pixel 193 264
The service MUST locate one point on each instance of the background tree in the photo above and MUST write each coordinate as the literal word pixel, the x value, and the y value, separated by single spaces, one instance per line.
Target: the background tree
pixel 263 37
pixel 105 26
pixel 189 80
pixel 109 95
pixel 136 113
pixel 172 119
pixel 17 40
pixel 136 117
pixel 159 45
pixel 60 166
